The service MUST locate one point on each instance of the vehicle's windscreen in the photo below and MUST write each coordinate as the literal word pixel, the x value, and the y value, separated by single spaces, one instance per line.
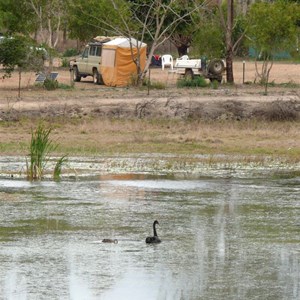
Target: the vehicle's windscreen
pixel 95 50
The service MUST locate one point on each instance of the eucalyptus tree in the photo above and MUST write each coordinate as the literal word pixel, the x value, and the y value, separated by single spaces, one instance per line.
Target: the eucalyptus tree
pixel 181 33
pixel 20 53
pixel 229 21
pixel 42 18
pixel 183 36
pixel 90 18
pixel 271 31
pixel 152 21
pixel 49 15
pixel 15 16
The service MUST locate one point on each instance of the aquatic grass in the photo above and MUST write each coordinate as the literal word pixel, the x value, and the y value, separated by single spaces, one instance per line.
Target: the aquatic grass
pixel 40 147
pixel 58 167
pixel 39 154
pixel 286 175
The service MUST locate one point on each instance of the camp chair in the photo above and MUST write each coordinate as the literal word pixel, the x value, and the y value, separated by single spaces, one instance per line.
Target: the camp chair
pixel 167 60
pixel 184 57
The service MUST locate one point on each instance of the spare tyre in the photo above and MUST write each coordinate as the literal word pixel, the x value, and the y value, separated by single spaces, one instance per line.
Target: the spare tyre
pixel 216 66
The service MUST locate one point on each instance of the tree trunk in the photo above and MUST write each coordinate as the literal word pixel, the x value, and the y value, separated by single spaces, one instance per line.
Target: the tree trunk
pixel 229 67
pixel 20 78
pixel 64 36
pixel 182 50
pixel 227 24
pixel 229 47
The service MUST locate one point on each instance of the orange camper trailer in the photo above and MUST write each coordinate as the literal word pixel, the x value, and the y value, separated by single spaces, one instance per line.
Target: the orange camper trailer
pixel 117 64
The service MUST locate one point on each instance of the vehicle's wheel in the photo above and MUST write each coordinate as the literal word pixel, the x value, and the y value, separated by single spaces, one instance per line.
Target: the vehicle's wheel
pixel 189 74
pixel 216 66
pixel 77 76
pixel 96 77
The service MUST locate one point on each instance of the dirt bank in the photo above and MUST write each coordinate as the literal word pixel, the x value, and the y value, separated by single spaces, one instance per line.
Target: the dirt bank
pixel 92 119
pixel 241 101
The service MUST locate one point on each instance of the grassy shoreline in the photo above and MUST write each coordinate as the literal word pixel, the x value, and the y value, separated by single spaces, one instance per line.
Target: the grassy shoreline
pixel 88 137
pixel 96 147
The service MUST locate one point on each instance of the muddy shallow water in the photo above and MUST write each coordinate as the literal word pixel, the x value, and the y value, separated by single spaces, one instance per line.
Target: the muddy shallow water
pixel 222 238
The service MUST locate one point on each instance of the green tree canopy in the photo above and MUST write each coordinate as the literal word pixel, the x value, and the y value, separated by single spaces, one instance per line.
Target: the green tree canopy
pixel 90 18
pixel 273 26
pixel 21 53
pixel 15 16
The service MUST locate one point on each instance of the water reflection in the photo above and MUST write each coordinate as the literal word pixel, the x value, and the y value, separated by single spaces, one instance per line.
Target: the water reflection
pixel 223 238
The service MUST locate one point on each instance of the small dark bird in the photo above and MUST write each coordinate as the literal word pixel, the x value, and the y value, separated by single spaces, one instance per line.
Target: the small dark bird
pixel 115 241
pixel 153 239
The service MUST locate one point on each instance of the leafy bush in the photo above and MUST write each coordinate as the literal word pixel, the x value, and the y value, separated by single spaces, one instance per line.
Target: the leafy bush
pixel 50 84
pixel 70 52
pixel 20 52
pixel 65 63
pixel 197 81
pixel 215 84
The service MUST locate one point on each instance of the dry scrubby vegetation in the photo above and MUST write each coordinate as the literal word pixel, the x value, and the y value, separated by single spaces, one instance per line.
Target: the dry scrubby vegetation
pixel 281 111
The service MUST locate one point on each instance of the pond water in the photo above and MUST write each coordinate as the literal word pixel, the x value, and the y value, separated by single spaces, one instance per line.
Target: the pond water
pixel 222 238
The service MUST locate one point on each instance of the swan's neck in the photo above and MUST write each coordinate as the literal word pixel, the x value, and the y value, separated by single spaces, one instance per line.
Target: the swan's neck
pixel 154 230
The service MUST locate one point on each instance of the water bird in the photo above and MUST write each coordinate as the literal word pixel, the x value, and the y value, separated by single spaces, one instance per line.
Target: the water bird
pixel 153 239
pixel 115 241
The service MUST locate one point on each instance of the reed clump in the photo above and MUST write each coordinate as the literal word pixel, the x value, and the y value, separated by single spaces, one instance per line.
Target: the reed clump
pixel 39 154
pixel 58 167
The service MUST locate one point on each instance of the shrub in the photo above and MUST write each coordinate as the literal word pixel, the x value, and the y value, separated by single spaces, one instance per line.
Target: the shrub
pixel 50 84
pixel 197 81
pixel 215 84
pixel 157 85
pixel 70 52
pixel 65 63
pixel 281 111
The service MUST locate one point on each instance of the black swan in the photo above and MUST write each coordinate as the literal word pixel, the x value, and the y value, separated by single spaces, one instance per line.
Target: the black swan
pixel 115 241
pixel 153 239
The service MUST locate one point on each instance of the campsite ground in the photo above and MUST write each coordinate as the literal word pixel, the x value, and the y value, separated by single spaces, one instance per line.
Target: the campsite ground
pixel 91 119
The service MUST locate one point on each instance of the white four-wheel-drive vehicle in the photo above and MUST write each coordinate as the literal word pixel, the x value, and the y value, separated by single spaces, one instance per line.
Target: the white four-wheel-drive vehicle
pixel 88 64
pixel 110 60
pixel 213 69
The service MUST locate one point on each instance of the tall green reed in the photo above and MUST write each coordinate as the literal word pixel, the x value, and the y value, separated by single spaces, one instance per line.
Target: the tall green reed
pixel 40 147
pixel 58 167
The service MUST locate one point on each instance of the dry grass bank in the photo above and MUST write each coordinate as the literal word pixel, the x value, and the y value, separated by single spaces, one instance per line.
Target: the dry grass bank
pixel 108 136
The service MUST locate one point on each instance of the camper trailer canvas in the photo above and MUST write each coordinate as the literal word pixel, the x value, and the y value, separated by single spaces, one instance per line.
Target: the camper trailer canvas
pixel 118 66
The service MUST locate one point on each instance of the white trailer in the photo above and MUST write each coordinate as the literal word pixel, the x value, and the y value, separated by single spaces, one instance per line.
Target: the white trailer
pixel 213 69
